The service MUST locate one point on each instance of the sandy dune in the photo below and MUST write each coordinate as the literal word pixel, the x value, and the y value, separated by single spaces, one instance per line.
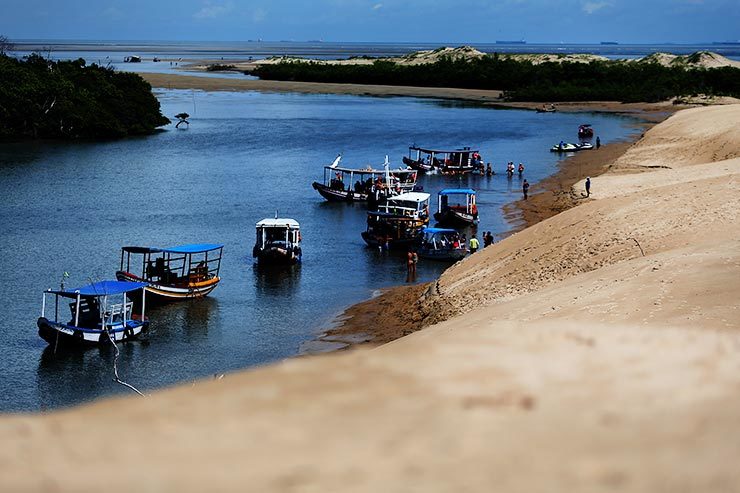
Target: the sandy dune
pixel 571 358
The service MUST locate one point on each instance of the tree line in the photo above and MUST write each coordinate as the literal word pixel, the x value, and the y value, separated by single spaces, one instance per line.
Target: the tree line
pixel 42 98
pixel 522 80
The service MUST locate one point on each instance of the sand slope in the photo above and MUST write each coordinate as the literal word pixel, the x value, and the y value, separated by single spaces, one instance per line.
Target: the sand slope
pixel 580 364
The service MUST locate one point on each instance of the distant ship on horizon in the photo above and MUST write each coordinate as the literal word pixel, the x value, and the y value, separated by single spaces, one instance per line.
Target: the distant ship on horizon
pixel 507 42
pixel 609 43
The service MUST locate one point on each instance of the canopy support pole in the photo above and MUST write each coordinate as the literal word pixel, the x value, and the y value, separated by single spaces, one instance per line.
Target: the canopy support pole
pixel 77 310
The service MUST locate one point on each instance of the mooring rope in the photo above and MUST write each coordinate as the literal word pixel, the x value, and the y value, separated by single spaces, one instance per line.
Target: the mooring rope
pixel 115 367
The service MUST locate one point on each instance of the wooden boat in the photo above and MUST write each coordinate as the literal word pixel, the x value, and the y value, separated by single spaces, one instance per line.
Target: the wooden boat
pixel 363 182
pixel 175 273
pixel 440 244
pixel 99 312
pixel 448 162
pixel 585 131
pixel 396 223
pixel 456 207
pixel 278 242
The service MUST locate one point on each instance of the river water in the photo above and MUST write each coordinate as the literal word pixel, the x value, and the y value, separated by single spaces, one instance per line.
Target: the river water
pixel 71 206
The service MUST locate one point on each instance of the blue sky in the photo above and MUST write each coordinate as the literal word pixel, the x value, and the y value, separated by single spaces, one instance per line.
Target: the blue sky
pixel 461 21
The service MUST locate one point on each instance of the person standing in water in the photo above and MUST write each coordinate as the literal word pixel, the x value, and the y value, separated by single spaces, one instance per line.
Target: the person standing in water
pixel 525 189
pixel 598 142
pixel 588 186
pixel 521 169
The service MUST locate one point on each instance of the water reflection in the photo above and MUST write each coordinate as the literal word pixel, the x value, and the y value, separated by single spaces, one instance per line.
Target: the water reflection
pixel 71 377
pixel 186 320
pixel 276 281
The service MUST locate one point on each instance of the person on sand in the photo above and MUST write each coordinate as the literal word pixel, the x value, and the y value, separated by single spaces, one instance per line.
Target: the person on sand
pixel 474 245
pixel 525 189
pixel 598 142
pixel 588 186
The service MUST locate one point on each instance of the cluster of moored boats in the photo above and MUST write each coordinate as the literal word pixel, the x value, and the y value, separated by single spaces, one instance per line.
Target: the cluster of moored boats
pixel 398 209
pixel 398 217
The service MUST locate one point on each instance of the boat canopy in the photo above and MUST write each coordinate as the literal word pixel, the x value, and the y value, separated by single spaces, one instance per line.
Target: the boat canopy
pixel 192 248
pixel 457 191
pixel 438 230
pixel 410 197
pixel 442 151
pixel 101 288
pixel 278 223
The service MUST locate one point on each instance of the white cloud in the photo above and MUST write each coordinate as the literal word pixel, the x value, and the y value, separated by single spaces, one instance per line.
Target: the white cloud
pixel 212 10
pixel 377 6
pixel 591 7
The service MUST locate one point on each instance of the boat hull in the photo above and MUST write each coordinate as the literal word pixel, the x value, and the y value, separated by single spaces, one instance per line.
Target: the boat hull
pixel 453 218
pixel 62 335
pixel 393 243
pixel 333 195
pixel 277 256
pixel 166 293
pixel 442 255
pixel 418 165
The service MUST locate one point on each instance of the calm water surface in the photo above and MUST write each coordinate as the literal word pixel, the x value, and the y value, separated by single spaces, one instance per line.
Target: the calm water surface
pixel 70 207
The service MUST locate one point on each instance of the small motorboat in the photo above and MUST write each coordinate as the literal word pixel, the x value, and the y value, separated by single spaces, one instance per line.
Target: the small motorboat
pixel 100 312
pixel 278 242
pixel 456 207
pixel 546 109
pixel 440 244
pixel 585 131
pixel 175 273
pixel 564 147
pixel 585 146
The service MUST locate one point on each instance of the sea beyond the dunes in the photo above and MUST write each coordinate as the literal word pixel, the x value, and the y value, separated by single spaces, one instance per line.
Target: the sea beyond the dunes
pixel 70 207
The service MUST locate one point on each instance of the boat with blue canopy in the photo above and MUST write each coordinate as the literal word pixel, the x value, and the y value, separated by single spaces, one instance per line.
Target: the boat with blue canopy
pixel 456 207
pixel 440 244
pixel 174 273
pixel 100 312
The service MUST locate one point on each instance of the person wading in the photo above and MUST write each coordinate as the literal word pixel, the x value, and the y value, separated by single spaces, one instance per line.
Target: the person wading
pixel 411 259
pixel 525 189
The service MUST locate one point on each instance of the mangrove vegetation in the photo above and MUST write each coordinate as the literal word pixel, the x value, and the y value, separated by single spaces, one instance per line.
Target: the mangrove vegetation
pixel 42 98
pixel 523 80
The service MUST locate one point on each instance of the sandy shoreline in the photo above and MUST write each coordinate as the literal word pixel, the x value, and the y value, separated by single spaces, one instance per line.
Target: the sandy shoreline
pixel 596 350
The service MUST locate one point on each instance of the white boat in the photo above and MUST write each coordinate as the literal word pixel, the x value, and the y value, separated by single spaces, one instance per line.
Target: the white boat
pixel 278 242
pixel 397 223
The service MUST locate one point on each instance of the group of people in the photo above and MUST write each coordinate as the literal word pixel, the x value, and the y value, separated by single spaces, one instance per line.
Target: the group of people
pixel 510 168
